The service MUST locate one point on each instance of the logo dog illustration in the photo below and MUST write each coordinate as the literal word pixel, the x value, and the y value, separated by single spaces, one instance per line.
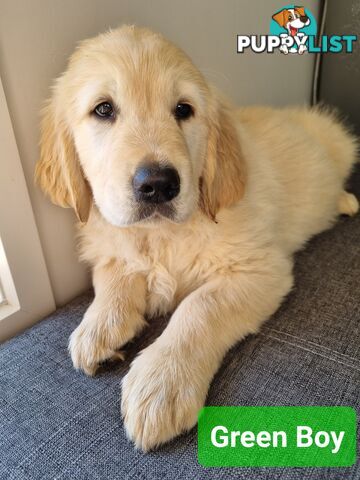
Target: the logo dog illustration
pixel 292 20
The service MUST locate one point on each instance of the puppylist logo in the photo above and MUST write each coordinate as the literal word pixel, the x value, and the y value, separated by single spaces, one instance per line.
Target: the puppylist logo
pixel 293 30
pixel 294 26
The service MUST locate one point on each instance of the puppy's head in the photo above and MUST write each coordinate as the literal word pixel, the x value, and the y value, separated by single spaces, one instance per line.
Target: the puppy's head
pixel 133 127
pixel 292 18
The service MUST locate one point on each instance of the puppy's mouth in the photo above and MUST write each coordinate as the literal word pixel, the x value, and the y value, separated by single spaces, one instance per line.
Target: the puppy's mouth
pixel 156 212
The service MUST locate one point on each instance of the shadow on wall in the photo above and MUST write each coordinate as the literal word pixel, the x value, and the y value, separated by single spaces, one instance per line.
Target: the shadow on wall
pixel 340 74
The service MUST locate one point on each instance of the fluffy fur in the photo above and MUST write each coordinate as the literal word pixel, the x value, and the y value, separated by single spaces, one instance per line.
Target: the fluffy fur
pixel 256 184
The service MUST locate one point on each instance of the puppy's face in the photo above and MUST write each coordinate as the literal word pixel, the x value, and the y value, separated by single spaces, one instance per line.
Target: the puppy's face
pixel 293 18
pixel 129 127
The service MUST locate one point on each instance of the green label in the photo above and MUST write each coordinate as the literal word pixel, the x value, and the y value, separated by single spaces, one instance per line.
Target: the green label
pixel 277 437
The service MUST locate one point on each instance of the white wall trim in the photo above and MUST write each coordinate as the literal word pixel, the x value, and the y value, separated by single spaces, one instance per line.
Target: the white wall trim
pixel 23 272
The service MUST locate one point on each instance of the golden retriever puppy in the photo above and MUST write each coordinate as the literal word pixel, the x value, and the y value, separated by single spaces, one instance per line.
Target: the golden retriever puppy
pixel 186 205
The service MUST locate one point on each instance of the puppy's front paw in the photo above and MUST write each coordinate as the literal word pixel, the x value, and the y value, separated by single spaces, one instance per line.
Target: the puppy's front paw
pixel 99 336
pixel 161 397
pixel 88 348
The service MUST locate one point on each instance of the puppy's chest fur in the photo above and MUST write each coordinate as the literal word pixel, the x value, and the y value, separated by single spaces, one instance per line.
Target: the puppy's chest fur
pixel 174 261
pixel 173 266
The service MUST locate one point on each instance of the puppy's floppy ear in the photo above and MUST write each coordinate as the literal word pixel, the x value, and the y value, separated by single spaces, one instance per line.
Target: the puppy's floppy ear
pixel 300 10
pixel 58 171
pixel 280 18
pixel 222 182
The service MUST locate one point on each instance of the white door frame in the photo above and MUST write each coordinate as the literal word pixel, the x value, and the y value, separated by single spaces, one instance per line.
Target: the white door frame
pixel 23 273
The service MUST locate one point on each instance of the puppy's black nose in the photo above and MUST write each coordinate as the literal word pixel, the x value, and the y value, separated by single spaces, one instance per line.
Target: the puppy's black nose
pixel 155 184
pixel 304 19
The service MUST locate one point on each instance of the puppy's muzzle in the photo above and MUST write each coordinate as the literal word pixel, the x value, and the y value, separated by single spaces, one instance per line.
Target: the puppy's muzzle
pixel 155 184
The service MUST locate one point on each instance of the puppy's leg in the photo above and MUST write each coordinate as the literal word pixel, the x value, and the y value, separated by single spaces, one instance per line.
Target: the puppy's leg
pixel 168 382
pixel 348 204
pixel 114 317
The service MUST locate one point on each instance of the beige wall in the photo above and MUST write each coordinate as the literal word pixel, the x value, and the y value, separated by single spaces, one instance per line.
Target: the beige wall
pixel 37 36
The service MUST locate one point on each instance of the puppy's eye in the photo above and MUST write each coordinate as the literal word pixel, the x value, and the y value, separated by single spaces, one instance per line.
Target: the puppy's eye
pixel 183 111
pixel 104 110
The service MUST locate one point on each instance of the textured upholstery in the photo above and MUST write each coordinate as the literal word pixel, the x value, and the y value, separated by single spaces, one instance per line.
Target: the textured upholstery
pixel 58 424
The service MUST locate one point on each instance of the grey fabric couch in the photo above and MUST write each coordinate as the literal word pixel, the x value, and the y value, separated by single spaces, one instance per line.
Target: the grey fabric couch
pixel 58 424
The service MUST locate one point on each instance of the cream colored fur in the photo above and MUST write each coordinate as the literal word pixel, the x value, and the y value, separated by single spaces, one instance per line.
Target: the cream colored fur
pixel 256 184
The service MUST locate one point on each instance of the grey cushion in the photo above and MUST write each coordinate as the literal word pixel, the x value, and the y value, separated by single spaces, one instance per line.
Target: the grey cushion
pixel 57 423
